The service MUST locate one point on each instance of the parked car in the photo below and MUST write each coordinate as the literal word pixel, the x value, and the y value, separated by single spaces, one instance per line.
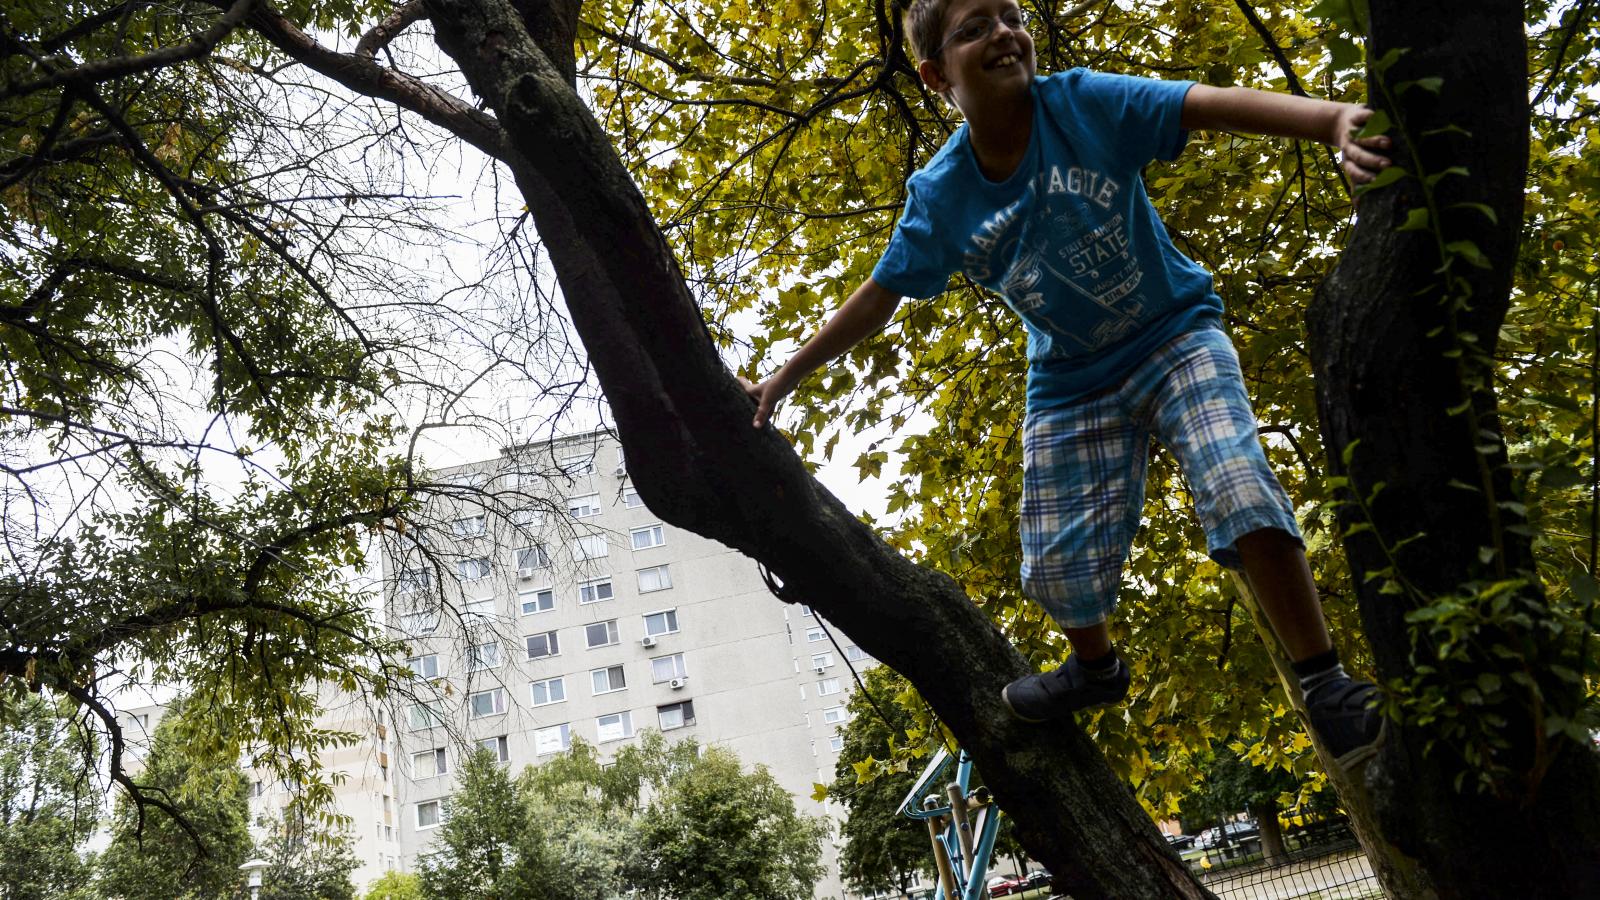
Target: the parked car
pixel 1036 879
pixel 1236 831
pixel 1180 841
pixel 1001 886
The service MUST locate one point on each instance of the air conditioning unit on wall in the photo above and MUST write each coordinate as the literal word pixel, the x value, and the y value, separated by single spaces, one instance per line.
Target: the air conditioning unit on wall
pixel 678 683
pixel 647 641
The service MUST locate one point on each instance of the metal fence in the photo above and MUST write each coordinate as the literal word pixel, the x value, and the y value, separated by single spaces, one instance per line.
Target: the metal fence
pixel 1324 865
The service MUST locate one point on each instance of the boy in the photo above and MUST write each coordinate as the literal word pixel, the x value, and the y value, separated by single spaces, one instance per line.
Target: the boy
pixel 1038 196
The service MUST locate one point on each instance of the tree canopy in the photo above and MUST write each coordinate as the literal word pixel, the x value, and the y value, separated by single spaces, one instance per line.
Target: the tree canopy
pixel 164 229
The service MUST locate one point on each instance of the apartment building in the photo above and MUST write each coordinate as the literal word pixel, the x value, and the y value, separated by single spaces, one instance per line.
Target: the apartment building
pixel 545 602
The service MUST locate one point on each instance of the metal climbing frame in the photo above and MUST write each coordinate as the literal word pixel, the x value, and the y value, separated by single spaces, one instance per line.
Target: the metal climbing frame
pixel 961 825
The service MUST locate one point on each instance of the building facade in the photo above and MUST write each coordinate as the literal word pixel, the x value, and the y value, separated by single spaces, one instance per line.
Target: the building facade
pixel 544 602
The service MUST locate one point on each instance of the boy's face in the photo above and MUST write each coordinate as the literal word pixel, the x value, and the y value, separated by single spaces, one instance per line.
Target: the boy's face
pixel 987 54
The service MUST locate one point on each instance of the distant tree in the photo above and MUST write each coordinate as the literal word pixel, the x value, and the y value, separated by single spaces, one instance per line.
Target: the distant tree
pixel 1232 783
pixel 713 830
pixel 584 814
pixel 881 849
pixel 186 841
pixel 484 849
pixel 306 864
pixel 394 885
pixel 47 809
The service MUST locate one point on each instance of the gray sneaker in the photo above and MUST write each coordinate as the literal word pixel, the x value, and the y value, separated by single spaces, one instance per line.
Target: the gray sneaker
pixel 1052 695
pixel 1346 717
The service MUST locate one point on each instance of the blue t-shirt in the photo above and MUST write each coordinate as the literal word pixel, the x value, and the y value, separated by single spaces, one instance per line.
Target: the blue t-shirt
pixel 1070 239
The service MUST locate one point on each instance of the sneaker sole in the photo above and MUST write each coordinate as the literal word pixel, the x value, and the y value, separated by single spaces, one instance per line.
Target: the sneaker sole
pixel 1358 758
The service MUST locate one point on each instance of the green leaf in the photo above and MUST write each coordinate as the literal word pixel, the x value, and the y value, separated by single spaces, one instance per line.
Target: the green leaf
pixel 1437 177
pixel 1388 59
pixel 1345 53
pixel 1384 179
pixel 1484 208
pixel 1416 220
pixel 1340 12
pixel 1468 251
pixel 1376 124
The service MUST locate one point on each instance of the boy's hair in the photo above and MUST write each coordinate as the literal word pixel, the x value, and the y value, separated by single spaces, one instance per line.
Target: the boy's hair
pixel 924 23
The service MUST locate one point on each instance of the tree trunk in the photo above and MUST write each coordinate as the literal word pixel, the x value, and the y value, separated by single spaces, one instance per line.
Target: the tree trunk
pixel 685 425
pixel 1393 356
pixel 1266 816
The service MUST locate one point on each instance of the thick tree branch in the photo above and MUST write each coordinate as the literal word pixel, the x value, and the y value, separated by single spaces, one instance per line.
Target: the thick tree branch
pixel 364 75
pixel 379 36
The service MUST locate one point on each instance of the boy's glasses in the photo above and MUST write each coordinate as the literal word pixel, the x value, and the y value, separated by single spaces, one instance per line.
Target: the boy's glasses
pixel 978 28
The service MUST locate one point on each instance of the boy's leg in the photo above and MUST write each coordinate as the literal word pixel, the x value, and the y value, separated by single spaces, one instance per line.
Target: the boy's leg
pixel 1082 489
pixel 1275 565
pixel 1341 708
pixel 1202 412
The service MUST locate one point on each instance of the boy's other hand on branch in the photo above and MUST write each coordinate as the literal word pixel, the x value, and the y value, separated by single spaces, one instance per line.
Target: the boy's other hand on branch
pixel 766 395
pixel 1362 158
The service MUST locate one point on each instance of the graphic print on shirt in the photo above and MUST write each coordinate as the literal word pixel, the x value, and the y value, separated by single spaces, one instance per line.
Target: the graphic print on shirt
pixel 1064 247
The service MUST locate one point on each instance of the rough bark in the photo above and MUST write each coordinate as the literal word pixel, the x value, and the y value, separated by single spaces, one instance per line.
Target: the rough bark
pixel 1382 344
pixel 698 464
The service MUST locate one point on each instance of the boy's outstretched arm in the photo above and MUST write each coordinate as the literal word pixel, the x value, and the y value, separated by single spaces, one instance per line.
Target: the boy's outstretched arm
pixel 1290 116
pixel 867 310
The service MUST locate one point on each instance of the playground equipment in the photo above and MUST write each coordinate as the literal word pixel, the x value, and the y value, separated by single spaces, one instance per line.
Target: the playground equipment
pixel 961 824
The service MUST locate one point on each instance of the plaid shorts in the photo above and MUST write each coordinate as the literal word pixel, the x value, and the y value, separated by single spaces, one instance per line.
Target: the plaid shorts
pixel 1084 472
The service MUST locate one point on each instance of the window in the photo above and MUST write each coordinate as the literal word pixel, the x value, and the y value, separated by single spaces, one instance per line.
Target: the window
pixel 664 622
pixel 655 578
pixel 470 526
pixel 419 621
pixel 576 465
pixel 473 569
pixel 429 814
pixel 854 653
pixel 551 690
pixel 537 601
pixel 833 715
pixel 836 743
pixel 815 634
pixel 608 680
pixel 827 686
pixel 497 746
pixel 527 517
pixel 482 607
pixel 411 581
pixel 590 546
pixel 428 763
pixel 822 660
pixel 424 666
pixel 554 739
pixel 666 668
pixel 647 537
pixel 630 497
pixel 584 507
pixel 614 727
pixel 675 715
pixel 542 645
pixel 806 611
pixel 424 715
pixel 533 557
pixel 481 657
pixel 600 634
pixel 486 703
pixel 594 591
